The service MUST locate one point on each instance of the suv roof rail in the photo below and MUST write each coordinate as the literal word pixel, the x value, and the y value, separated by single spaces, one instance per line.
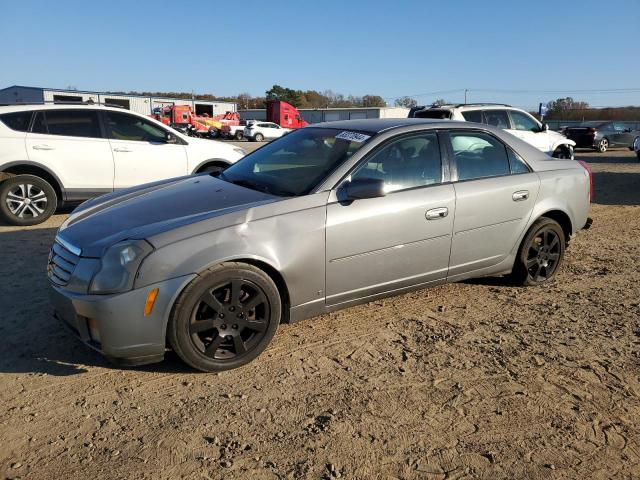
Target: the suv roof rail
pixel 482 104
pixel 58 102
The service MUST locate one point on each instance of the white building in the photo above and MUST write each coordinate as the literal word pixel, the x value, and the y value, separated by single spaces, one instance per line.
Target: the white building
pixel 137 103
pixel 317 115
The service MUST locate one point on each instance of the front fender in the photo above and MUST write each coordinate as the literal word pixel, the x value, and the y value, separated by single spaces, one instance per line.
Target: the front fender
pixel 562 141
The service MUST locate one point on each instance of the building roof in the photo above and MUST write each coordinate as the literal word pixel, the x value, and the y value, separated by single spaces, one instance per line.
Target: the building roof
pixel 66 90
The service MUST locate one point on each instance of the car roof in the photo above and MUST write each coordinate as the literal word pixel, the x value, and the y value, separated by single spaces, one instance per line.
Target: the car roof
pixel 57 106
pixel 377 125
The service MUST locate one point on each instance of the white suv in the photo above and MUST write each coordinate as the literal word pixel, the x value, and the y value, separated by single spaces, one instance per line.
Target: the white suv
pixel 513 120
pixel 258 131
pixel 55 154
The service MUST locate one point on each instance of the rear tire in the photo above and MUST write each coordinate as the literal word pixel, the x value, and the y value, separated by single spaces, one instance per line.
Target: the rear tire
pixel 239 135
pixel 258 137
pixel 540 253
pixel 225 317
pixel 26 200
pixel 603 145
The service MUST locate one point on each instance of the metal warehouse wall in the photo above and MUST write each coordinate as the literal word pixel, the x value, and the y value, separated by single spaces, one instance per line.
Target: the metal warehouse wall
pixel 21 95
pixel 253 114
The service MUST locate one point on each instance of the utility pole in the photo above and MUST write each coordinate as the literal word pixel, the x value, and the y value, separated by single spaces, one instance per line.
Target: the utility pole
pixel 465 94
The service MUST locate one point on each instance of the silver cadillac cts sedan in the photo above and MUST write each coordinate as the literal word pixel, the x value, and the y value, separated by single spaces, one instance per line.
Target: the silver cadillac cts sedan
pixel 329 216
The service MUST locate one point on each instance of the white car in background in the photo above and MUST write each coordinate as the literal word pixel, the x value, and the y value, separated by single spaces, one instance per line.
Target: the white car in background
pixel 513 120
pixel 636 147
pixel 259 131
pixel 57 154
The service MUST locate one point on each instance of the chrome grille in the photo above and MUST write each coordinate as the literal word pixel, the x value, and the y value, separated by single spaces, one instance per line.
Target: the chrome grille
pixel 61 263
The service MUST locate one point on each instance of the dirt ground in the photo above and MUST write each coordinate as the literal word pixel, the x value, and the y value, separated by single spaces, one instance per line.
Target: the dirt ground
pixel 470 380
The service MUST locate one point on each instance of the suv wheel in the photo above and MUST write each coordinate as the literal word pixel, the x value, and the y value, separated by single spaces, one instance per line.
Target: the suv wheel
pixel 225 318
pixel 603 145
pixel 258 137
pixel 26 200
pixel 540 253
pixel 564 152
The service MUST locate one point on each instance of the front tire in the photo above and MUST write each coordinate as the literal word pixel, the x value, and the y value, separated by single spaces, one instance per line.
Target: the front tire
pixel 540 253
pixel 603 145
pixel 564 152
pixel 27 200
pixel 225 317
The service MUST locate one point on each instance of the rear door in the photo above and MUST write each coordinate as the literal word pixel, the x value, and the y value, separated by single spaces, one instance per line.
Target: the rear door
pixel 140 150
pixel 71 143
pixel 495 195
pixel 381 244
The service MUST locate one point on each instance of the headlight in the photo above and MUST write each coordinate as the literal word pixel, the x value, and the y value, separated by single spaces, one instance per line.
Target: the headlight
pixel 239 150
pixel 119 265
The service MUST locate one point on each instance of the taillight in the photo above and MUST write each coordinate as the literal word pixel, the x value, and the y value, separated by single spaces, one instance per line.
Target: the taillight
pixel 586 167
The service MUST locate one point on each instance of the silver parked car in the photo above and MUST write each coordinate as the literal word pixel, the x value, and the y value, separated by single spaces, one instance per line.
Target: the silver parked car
pixel 329 216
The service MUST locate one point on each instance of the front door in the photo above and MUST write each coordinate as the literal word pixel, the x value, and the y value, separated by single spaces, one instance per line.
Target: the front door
pixel 382 244
pixel 495 195
pixel 528 129
pixel 140 151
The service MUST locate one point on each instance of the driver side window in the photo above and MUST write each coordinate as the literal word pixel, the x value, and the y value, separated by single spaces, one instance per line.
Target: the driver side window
pixel 123 126
pixel 412 161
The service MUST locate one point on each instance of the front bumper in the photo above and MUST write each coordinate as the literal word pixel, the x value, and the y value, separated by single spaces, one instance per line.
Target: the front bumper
pixel 119 330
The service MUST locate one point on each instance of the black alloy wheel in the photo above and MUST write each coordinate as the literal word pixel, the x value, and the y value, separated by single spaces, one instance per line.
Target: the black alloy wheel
pixel 230 319
pixel 540 253
pixel 225 318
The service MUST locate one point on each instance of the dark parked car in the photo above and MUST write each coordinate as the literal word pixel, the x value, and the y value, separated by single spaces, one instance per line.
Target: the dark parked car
pixel 602 135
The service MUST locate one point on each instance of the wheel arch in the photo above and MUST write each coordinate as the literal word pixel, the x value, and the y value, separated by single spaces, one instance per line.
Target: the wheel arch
pixel 562 142
pixel 562 218
pixel 218 162
pixel 31 168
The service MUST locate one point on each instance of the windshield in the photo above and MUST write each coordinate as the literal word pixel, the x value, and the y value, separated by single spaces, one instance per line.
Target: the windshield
pixel 296 163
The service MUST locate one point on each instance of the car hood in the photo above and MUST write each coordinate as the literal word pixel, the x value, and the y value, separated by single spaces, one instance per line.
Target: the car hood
pixel 147 210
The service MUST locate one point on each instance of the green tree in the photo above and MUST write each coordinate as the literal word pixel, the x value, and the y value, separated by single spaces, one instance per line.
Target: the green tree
pixel 373 101
pixel 284 94
pixel 406 102
pixel 562 107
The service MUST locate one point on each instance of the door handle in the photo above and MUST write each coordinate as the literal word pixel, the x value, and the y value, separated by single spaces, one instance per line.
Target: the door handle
pixel 520 195
pixel 43 147
pixel 121 149
pixel 436 213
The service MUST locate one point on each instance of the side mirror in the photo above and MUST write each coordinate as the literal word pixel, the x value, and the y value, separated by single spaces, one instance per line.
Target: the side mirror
pixel 544 127
pixel 170 138
pixel 362 188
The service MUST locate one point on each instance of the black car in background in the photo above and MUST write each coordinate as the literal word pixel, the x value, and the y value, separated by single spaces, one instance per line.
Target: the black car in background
pixel 602 135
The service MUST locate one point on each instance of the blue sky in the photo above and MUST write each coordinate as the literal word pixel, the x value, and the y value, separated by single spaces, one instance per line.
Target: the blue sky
pixel 542 49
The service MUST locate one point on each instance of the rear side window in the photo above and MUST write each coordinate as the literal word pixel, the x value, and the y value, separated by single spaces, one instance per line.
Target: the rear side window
pixel 518 165
pixel 473 116
pixel 18 121
pixel 435 113
pixel 70 123
pixel 479 155
pixel 496 118
pixel 123 126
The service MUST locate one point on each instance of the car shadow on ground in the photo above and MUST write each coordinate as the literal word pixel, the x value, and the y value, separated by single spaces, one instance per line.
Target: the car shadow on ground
pixel 33 341
pixel 611 156
pixel 616 188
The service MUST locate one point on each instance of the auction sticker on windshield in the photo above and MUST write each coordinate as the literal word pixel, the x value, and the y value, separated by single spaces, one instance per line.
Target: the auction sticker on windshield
pixel 353 136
